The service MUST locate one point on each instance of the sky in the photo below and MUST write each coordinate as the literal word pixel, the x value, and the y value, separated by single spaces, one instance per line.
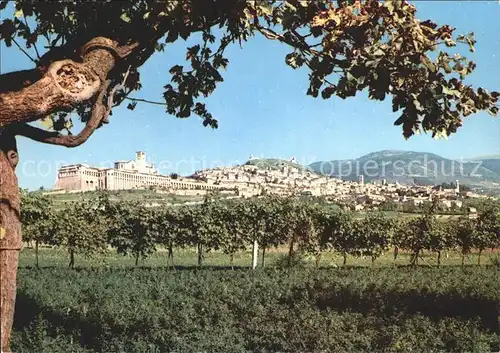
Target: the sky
pixel 263 110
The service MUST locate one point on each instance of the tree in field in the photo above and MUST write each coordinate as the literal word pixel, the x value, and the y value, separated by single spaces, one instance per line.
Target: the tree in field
pixel 265 222
pixel 487 233
pixel 375 235
pixel 417 237
pixel 79 230
pixel 37 219
pixel 296 224
pixel 86 58
pixel 399 236
pixel 133 230
pixel 205 226
pixel 440 238
pixel 233 237
pixel 464 234
pixel 172 230
pixel 340 234
pixel 311 220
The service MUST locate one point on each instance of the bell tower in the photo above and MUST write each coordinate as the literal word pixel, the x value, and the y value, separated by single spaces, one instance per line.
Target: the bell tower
pixel 140 156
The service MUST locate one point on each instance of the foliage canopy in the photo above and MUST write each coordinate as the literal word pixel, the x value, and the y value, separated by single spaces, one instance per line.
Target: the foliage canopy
pixel 347 47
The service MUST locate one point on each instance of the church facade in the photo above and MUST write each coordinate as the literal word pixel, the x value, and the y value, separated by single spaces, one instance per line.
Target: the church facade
pixel 126 175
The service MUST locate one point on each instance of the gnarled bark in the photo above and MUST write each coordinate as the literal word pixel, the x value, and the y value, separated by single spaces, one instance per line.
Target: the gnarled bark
pixel 65 84
pixel 100 112
pixel 10 244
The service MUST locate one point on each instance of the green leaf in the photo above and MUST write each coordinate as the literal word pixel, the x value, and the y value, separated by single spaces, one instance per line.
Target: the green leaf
pixel 417 105
pixel 451 92
pixel 267 9
pixel 428 63
pixel 47 122
pixel 389 4
pixel 19 13
pixel 291 6
pixel 327 92
pixel 124 17
pixel 351 78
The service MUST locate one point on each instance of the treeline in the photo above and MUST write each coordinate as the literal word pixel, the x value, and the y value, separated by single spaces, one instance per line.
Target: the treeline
pixel 305 226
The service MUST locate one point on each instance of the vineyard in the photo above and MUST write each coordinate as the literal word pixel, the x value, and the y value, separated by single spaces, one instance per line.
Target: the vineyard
pixel 305 227
pixel 384 294
pixel 141 310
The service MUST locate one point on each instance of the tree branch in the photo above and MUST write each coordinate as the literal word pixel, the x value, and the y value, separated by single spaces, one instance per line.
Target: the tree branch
pixel 144 101
pixel 24 51
pixel 100 112
pixel 17 80
pixel 34 44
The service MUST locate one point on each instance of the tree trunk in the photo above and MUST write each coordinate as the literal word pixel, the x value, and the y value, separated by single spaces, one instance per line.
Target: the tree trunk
pixel 439 259
pixel 137 259
pixel 8 270
pixel 318 259
pixel 71 259
pixel 231 261
pixel 479 257
pixel 65 84
pixel 414 258
pixel 36 254
pixel 10 235
pixel 344 262
pixel 290 250
pixel 170 258
pixel 263 256
pixel 200 255
pixel 463 259
pixel 396 251
pixel 373 261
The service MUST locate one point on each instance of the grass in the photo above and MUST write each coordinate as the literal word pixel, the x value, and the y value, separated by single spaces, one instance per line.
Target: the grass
pixel 188 258
pixel 147 196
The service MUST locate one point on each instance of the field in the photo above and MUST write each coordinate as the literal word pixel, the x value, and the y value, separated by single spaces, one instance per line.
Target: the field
pixel 104 280
pixel 109 305
pixel 188 258
pixel 147 196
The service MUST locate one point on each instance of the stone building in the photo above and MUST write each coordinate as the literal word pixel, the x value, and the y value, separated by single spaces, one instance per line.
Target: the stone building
pixel 126 175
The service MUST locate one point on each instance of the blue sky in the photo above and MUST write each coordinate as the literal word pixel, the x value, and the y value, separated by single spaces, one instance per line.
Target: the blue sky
pixel 263 110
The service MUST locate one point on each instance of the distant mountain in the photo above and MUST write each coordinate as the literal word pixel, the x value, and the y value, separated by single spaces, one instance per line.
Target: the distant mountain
pixel 491 156
pixel 491 164
pixel 413 167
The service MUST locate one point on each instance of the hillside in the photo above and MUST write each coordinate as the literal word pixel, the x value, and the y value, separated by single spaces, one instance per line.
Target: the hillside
pixel 409 167
pixel 273 163
pixel 143 196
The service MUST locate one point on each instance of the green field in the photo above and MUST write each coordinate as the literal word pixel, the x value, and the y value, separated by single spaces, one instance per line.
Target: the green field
pixel 49 257
pixel 310 302
pixel 109 305
pixel 147 196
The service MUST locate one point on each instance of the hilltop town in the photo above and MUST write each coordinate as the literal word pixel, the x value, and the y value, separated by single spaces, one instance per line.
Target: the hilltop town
pixel 256 177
